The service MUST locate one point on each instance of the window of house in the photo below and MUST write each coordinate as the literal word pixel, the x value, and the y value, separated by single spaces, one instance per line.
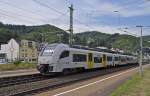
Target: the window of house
pixel 30 44
pixel 26 55
pixel 22 50
pixel 33 59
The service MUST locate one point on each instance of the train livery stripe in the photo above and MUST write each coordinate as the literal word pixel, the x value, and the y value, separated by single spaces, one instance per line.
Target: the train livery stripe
pixel 90 62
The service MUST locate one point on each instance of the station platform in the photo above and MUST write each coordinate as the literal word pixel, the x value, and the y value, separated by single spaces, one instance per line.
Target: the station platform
pixel 4 74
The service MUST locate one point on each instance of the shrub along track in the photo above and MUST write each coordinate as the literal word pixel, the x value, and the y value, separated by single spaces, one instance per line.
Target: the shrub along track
pixel 40 84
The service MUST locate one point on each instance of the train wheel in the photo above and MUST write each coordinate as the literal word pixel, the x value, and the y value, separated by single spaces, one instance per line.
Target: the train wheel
pixel 66 72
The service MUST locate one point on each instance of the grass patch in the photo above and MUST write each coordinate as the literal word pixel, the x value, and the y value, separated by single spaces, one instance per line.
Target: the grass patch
pixel 136 86
pixel 7 67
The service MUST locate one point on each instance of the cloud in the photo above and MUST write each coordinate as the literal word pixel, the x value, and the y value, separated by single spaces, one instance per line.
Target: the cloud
pixel 32 13
pixel 130 8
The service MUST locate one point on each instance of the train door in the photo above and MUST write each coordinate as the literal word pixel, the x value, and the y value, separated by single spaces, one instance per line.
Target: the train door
pixel 104 60
pixel 90 61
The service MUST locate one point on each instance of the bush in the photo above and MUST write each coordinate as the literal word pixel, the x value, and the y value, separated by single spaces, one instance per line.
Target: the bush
pixel 17 66
pixel 17 62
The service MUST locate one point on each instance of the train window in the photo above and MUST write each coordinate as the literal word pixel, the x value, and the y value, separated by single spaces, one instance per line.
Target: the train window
pixel 109 58
pixel 116 58
pixel 123 59
pixel 64 54
pixel 79 58
pixel 128 59
pixel 97 59
pixel 48 50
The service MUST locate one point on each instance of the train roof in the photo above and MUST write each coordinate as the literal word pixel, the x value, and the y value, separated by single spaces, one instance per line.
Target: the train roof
pixel 101 50
pixel 105 50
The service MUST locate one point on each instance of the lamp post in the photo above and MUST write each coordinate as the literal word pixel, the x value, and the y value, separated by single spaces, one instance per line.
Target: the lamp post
pixel 141 51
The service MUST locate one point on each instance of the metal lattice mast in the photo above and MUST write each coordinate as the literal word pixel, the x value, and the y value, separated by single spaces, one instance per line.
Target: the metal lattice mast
pixel 71 26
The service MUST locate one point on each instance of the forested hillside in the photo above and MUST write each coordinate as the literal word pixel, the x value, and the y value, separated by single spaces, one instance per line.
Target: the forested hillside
pixel 122 41
pixel 42 33
pixel 53 34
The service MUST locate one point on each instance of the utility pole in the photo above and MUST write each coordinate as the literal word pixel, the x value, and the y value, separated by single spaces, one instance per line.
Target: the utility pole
pixel 141 51
pixel 71 26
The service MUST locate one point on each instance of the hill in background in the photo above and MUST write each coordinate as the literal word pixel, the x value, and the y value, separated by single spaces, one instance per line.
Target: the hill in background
pixel 53 34
pixel 125 42
pixel 39 33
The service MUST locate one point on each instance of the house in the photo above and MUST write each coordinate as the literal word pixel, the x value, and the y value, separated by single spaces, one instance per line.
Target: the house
pixel 9 52
pixel 23 50
pixel 28 51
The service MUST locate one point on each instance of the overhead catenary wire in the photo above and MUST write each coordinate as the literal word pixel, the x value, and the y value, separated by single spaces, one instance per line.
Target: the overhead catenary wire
pixel 138 36
pixel 134 27
pixel 29 11
pixel 20 15
pixel 24 9
pixel 44 5
pixel 11 16
pixel 134 2
pixel 60 17
pixel 127 32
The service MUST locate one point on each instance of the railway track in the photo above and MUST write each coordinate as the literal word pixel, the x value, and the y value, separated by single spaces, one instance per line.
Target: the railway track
pixel 29 87
pixel 9 81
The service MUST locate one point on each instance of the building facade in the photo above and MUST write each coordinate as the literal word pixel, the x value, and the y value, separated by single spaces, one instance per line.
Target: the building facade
pixel 28 51
pixel 9 52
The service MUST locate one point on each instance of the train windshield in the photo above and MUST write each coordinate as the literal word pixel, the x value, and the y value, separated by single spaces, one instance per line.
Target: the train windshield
pixel 49 50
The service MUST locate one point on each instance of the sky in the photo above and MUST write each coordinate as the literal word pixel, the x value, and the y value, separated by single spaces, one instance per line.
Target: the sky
pixel 106 16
